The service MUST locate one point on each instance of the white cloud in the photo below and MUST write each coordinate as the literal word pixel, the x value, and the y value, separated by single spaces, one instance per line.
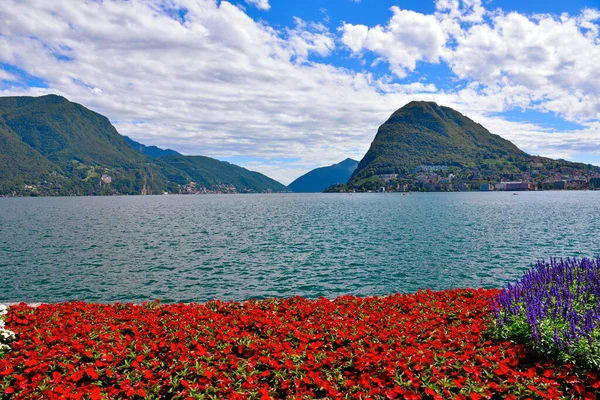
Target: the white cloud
pixel 408 37
pixel 551 61
pixel 260 4
pixel 470 11
pixel 306 38
pixel 205 78
pixel 6 76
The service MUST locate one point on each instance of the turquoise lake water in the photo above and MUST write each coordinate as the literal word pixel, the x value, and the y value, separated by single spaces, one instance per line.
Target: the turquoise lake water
pixel 236 247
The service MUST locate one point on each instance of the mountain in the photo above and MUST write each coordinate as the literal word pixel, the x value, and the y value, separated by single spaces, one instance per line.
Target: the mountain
pixel 151 151
pixel 320 179
pixel 19 163
pixel 51 146
pixel 79 146
pixel 208 172
pixel 425 134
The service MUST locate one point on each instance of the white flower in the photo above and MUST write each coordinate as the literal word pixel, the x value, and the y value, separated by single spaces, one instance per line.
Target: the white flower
pixel 6 336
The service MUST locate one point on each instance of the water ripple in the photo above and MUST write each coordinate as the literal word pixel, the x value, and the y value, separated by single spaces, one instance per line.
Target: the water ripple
pixel 197 248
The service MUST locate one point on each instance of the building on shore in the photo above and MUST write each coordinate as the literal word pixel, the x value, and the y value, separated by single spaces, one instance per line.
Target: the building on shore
pixel 431 168
pixel 388 177
pixel 554 185
pixel 514 186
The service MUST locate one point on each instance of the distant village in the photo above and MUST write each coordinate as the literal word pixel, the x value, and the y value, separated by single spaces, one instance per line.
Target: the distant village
pixel 440 178
pixel 45 188
pixel 194 188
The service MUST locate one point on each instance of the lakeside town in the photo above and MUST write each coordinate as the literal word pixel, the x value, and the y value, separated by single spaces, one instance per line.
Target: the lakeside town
pixel 425 178
pixel 45 189
pixel 442 178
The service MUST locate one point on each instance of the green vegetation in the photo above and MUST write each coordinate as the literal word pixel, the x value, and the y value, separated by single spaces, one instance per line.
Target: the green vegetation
pixel 19 163
pixel 51 146
pixel 208 172
pixel 423 133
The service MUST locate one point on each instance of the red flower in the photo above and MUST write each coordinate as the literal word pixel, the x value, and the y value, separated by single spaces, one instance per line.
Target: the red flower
pixel 427 344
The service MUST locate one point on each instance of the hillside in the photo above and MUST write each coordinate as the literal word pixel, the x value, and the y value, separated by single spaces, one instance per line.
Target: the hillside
pixel 150 151
pixel 81 145
pixel 51 146
pixel 425 135
pixel 208 172
pixel 19 163
pixel 320 179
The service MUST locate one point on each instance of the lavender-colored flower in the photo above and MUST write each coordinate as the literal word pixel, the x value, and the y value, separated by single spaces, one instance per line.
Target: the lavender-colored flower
pixel 561 294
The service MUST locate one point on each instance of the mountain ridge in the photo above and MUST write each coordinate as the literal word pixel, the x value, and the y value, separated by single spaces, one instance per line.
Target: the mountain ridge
pixel 321 178
pixel 150 151
pixel 52 146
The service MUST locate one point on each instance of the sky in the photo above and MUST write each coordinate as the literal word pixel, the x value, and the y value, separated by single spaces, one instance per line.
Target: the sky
pixel 282 87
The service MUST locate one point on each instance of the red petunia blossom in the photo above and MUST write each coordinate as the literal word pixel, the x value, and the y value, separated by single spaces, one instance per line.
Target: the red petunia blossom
pixel 430 345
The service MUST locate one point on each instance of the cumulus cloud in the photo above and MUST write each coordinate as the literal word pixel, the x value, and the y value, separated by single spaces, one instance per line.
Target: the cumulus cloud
pixel 6 76
pixel 407 38
pixel 470 11
pixel 260 4
pixel 306 38
pixel 551 61
pixel 202 77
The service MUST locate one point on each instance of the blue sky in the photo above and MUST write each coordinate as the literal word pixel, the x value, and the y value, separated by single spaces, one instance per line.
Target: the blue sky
pixel 282 87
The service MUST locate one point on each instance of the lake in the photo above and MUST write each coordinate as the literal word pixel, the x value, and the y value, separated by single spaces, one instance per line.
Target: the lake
pixel 236 247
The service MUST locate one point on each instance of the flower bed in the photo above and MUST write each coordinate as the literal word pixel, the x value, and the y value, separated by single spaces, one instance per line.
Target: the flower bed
pixel 430 345
pixel 555 309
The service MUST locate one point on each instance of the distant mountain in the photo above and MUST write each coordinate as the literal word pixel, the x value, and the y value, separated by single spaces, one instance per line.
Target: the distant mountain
pixel 51 146
pixel 320 179
pixel 151 151
pixel 425 134
pixel 208 172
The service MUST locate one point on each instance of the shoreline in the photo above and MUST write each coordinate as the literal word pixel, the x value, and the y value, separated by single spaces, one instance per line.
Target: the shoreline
pixel 301 193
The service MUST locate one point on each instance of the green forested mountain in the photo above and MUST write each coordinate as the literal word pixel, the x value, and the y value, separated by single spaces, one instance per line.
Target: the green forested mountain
pixel 151 151
pixel 63 131
pixel 208 172
pixel 19 163
pixel 425 134
pixel 320 179
pixel 51 146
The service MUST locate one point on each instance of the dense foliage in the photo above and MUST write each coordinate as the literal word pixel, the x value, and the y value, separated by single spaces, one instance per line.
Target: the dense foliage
pixel 19 163
pixel 320 179
pixel 556 308
pixel 50 146
pixel 423 133
pixel 428 345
